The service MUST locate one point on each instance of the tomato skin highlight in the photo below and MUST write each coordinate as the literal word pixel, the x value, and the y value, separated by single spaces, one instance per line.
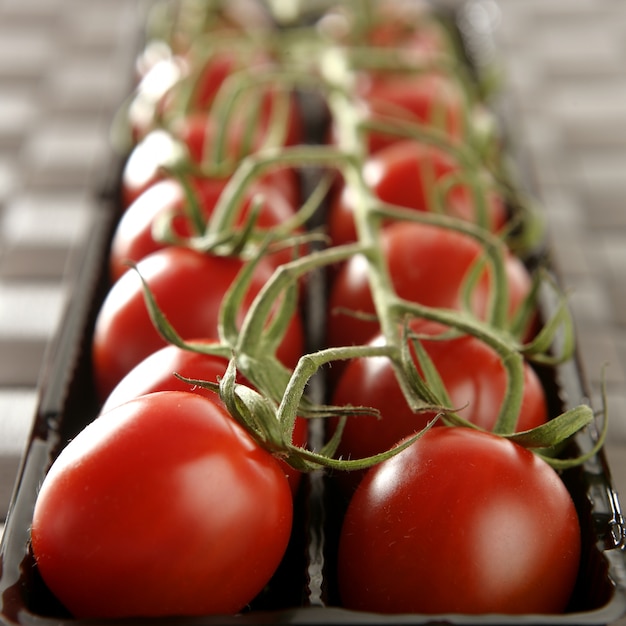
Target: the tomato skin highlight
pixel 134 235
pixel 189 287
pixel 161 149
pixel 472 373
pixel 461 521
pixel 134 239
pixel 156 373
pixel 156 508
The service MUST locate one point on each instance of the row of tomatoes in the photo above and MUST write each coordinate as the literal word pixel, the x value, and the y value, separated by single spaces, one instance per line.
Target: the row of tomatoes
pixel 165 504
pixel 461 520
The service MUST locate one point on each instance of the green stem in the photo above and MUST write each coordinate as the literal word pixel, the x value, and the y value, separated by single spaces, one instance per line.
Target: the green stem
pixel 390 307
pixel 511 358
pixel 307 366
pixel 491 244
pixel 255 165
pixel 250 334
pixel 253 86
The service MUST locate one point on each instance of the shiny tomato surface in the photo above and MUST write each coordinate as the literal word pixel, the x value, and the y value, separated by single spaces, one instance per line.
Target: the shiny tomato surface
pixel 160 371
pixel 429 100
pixel 461 521
pixel 189 288
pixel 162 506
pixel 165 202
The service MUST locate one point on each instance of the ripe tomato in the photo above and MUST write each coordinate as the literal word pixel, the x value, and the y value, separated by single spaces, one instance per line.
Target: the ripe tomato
pixel 401 26
pixel 134 235
pixel 192 127
pixel 156 373
pixel 189 288
pixel 471 371
pixel 162 506
pixel 461 521
pixel 188 81
pixel 161 149
pixel 406 173
pixel 427 98
pixel 199 132
pixel 433 99
pixel 427 264
pixel 209 73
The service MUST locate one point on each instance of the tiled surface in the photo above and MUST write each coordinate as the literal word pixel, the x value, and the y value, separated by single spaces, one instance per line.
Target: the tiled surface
pixel 565 74
pixel 65 65
pixel 570 100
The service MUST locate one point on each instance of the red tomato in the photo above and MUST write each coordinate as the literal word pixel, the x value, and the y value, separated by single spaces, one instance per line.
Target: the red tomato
pixel 163 506
pixel 156 373
pixel 460 522
pixel 134 235
pixel 472 373
pixel 162 148
pixel 403 26
pixel 428 98
pixel 433 99
pixel 196 78
pixel 217 67
pixel 407 26
pixel 189 288
pixel 406 173
pixel 198 130
pixel 428 265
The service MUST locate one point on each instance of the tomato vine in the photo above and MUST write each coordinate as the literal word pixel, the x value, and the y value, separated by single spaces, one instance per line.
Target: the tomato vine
pixel 253 345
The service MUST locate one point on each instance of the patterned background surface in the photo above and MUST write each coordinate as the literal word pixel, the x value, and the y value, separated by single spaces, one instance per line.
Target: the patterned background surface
pixel 65 66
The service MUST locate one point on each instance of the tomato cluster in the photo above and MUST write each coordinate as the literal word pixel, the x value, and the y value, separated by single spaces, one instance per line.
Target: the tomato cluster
pixel 437 437
pixel 164 466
